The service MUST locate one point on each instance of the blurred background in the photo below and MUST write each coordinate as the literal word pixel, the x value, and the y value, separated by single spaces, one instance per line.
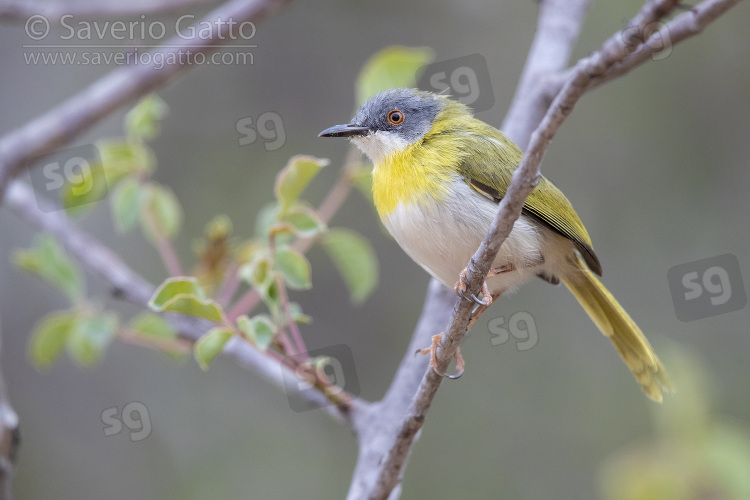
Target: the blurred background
pixel 656 164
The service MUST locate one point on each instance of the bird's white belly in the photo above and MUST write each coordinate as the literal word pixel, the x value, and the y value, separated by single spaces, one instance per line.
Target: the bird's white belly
pixel 442 237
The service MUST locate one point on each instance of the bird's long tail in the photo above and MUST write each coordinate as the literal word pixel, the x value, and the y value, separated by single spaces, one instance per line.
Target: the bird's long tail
pixel 616 324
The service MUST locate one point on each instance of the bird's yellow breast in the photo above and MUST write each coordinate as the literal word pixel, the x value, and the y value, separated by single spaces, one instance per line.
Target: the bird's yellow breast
pixel 414 175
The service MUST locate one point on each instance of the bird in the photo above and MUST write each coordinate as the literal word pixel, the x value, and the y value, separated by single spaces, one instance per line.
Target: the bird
pixel 438 176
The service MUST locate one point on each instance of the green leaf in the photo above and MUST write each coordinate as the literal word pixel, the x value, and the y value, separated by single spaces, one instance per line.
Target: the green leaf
pixel 259 329
pixel 125 201
pixel 355 259
pixel 210 345
pixel 257 271
pixel 294 267
pixel 89 185
pixel 90 336
pixel 143 121
pixel 121 158
pixel 171 287
pixel 161 213
pixel 305 221
pixel 191 306
pixel 266 218
pixel 393 66
pixel 152 326
pixel 297 315
pixel 294 178
pixel 185 296
pixel 50 336
pixel 49 261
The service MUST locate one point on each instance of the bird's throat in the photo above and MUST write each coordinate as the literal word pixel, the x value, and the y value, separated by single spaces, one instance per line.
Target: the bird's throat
pixel 412 176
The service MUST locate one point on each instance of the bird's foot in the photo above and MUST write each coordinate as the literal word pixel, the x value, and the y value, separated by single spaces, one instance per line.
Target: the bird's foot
pixel 432 351
pixel 462 291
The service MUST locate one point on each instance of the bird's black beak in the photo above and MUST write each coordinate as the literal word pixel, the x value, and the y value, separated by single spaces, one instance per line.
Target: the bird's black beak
pixel 349 130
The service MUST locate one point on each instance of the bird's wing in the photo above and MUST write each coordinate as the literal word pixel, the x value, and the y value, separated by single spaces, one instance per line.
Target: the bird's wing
pixel 546 203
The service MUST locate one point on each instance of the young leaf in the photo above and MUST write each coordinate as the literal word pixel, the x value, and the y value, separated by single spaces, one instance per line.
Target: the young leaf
pixel 152 326
pixel 90 336
pixel 259 329
pixel 161 213
pixel 305 221
pixel 355 260
pixel 210 345
pixel 89 186
pixel 48 260
pixel 297 315
pixel 143 121
pixel 125 202
pixel 192 306
pixel 257 271
pixel 50 336
pixel 393 66
pixel 294 178
pixel 294 267
pixel 175 286
pixel 266 218
pixel 185 296
pixel 121 157
pixel 258 274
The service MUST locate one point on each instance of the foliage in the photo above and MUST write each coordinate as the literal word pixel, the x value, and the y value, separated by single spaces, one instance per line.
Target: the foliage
pixel 268 263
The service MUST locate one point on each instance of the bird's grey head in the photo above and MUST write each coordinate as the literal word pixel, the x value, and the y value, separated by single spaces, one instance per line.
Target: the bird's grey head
pixel 390 121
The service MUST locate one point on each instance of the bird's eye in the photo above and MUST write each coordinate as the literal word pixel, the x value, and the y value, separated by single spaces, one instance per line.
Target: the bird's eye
pixel 395 117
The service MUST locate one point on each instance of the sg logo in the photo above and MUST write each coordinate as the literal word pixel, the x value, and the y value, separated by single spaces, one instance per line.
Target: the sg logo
pixel 466 78
pixel 707 287
pixel 337 367
pixel 79 168
pixel 134 416
pixel 520 326
pixel 269 126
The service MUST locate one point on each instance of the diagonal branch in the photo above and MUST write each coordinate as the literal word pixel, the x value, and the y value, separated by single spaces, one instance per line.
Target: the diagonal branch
pixel 60 125
pixel 130 286
pixel 375 477
pixel 613 52
pixel 556 33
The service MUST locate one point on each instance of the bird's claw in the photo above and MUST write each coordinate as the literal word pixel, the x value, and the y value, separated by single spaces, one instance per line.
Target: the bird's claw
pixel 432 351
pixel 462 291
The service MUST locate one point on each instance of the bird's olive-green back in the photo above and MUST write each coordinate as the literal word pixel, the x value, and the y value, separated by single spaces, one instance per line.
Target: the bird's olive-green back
pixel 487 159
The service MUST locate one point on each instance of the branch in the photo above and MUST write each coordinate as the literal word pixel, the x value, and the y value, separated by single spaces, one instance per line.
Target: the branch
pixel 557 30
pixel 683 26
pixel 60 125
pixel 130 286
pixel 9 441
pixel 613 52
pixel 18 9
